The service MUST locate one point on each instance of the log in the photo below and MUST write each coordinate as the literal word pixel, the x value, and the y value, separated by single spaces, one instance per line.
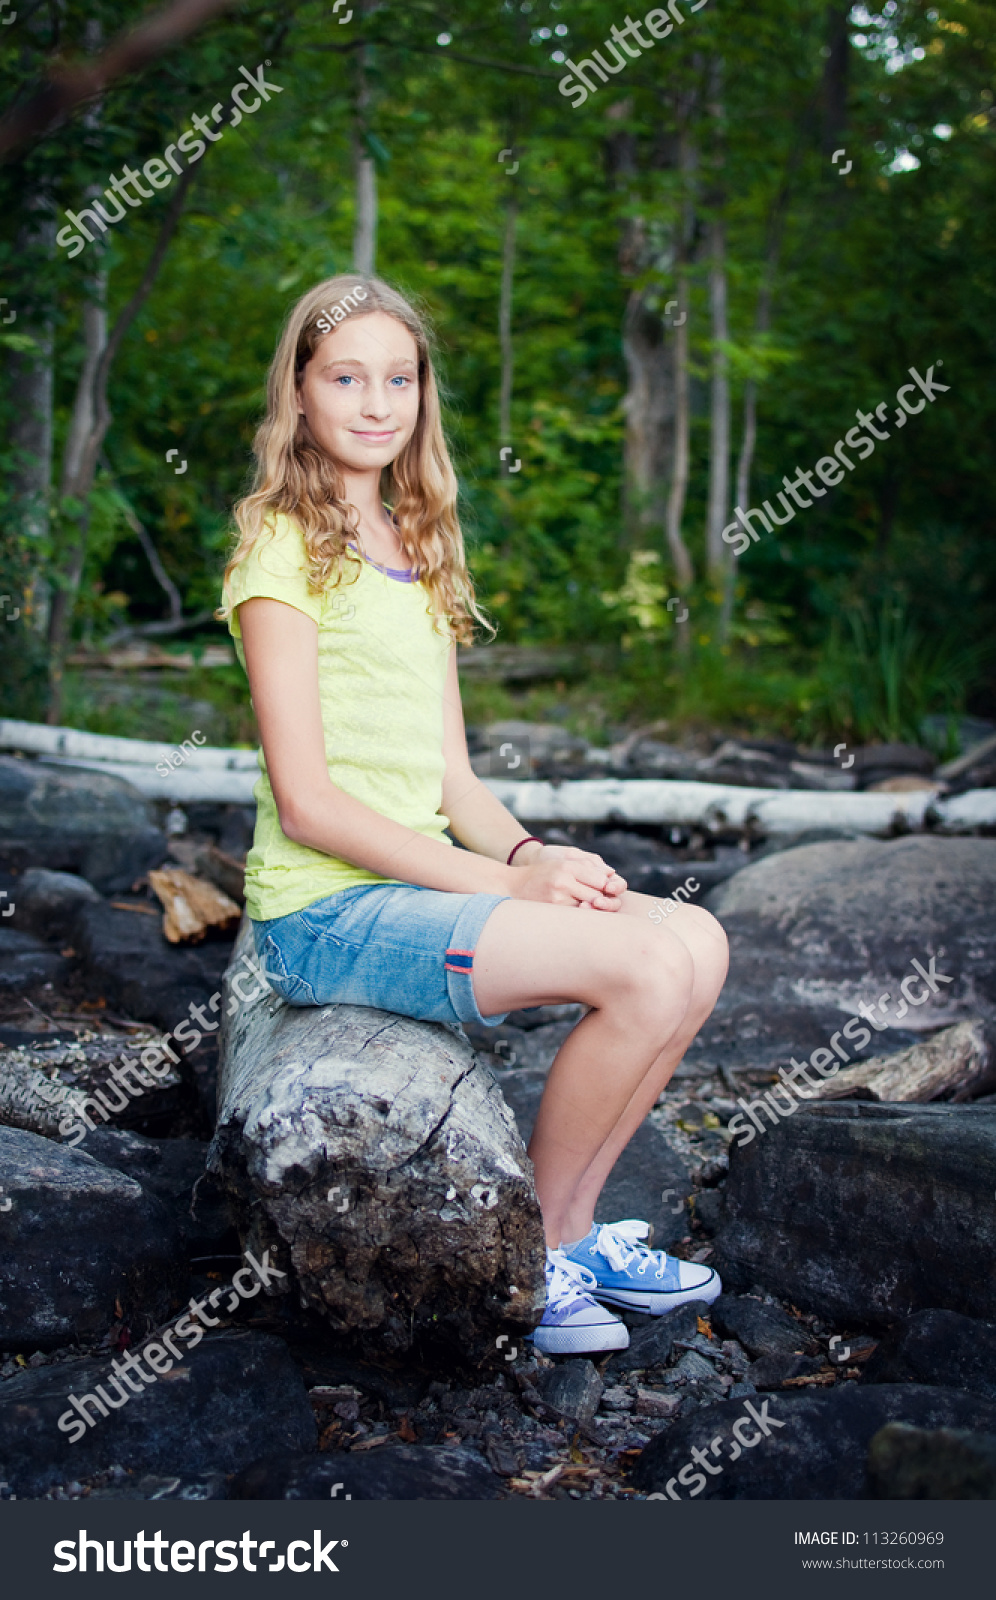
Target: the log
pixel 192 907
pixel 954 1065
pixel 378 1160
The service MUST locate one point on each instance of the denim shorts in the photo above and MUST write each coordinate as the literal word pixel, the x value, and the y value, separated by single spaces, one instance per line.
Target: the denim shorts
pixel 393 946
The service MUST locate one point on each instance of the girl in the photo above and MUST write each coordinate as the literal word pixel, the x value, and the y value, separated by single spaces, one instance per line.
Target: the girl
pixel 347 594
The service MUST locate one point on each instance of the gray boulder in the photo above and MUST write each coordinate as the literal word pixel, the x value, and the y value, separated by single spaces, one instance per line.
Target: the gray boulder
pixel 70 819
pixel 864 1213
pixel 234 1395
pixel 382 1159
pixel 938 1347
pixel 794 1446
pixel 819 929
pixel 907 1463
pixel 75 1237
pixel 47 902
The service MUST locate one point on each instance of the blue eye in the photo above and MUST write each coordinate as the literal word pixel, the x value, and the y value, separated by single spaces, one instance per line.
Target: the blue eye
pixel 344 378
pixel 401 379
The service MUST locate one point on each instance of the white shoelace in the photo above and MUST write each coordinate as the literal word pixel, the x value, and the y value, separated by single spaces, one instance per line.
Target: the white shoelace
pixel 620 1244
pixel 567 1282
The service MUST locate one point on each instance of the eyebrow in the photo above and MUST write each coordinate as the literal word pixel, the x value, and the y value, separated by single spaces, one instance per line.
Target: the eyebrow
pixel 347 361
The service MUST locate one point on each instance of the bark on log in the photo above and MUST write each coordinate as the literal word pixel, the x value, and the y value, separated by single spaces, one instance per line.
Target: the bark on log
pixel 379 1161
pixel 955 1065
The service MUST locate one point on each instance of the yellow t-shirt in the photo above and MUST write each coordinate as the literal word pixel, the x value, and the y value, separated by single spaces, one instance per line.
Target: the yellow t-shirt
pixel 381 678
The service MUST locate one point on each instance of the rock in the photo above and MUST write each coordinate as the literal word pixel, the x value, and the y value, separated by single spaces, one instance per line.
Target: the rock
pixel 708 1205
pixel 956 1065
pixel 647 1170
pixel 655 1403
pixel 906 1463
pixel 864 1213
pixel 75 820
pixel 875 764
pixel 77 1238
pixel 384 1159
pixel 616 1398
pixel 175 1172
pixel 125 957
pixel 938 1347
pixel 392 1472
pixel 652 1345
pixel 27 963
pixel 232 1396
pixel 805 1445
pixel 817 930
pixel 573 1388
pixel 771 1371
pixel 152 1486
pixel 70 1088
pixel 47 902
pixel 762 1330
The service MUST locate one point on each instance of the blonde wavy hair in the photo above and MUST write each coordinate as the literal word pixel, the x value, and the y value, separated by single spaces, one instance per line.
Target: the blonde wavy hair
pixel 295 476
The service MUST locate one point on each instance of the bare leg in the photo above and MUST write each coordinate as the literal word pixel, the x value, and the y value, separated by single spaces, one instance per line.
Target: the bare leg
pixel 706 944
pixel 638 980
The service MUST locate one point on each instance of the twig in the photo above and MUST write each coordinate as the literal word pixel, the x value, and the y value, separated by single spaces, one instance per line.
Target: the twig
pixel 130 52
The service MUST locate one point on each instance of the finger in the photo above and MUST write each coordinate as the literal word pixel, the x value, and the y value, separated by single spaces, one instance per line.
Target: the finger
pixel 604 902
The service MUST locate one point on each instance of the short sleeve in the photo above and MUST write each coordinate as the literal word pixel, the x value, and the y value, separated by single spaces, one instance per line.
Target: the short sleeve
pixel 275 569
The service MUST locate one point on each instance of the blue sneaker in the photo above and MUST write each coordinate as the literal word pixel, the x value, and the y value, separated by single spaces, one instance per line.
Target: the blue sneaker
pixel 573 1322
pixel 628 1273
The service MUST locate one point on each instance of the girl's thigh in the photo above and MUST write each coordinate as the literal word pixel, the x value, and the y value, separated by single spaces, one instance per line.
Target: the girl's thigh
pixel 531 954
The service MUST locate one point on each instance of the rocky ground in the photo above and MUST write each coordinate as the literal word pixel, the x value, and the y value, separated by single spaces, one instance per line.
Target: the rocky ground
pixel 852 1352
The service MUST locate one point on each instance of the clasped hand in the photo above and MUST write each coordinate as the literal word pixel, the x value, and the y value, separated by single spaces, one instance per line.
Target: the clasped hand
pixel 562 875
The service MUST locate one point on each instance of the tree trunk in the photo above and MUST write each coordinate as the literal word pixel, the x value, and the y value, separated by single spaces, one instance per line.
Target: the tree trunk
pixel 31 389
pixel 364 166
pixel 505 321
pixel 91 420
pixel 719 418
pixel 835 77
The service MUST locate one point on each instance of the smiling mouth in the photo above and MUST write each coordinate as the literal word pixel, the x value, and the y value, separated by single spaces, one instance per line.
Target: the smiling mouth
pixel 372 436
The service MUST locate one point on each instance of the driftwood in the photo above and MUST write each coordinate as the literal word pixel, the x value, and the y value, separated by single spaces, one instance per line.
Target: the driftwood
pixel 66 1088
pixel 379 1162
pixel 207 861
pixel 954 1065
pixel 192 907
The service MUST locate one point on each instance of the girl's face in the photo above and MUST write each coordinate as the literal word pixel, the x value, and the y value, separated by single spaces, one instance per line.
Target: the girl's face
pixel 359 392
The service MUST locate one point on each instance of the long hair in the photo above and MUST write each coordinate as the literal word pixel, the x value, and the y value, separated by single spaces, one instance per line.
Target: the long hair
pixel 294 475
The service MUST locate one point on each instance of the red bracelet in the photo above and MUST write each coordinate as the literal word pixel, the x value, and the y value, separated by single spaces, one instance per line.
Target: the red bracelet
pixel 529 839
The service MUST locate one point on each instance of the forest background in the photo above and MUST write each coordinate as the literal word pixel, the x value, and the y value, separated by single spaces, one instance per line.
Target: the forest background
pixel 657 305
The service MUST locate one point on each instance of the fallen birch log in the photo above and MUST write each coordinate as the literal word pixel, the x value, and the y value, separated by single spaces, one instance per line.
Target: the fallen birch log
pixel 954 1065
pixel 380 1165
pixel 228 777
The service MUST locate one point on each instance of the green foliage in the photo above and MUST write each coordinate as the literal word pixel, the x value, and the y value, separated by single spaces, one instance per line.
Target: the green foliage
pixel 877 270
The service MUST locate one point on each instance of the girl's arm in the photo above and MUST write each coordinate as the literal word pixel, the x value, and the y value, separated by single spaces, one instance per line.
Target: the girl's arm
pixel 482 824
pixel 281 651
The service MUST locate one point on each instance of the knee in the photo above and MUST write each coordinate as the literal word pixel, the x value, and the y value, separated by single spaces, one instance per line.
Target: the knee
pixel 650 982
pixel 710 951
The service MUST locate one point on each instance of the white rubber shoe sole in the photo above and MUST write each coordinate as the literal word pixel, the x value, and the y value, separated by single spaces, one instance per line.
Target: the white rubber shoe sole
pixel 579 1340
pixel 658 1305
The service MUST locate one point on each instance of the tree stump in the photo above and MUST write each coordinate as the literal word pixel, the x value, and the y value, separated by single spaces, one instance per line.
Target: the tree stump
pixel 377 1160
